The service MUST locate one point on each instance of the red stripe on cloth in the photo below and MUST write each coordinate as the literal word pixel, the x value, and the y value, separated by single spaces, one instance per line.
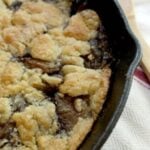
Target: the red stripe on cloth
pixel 141 76
pixel 142 83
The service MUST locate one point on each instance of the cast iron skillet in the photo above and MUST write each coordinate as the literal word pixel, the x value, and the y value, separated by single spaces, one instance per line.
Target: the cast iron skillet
pixel 126 50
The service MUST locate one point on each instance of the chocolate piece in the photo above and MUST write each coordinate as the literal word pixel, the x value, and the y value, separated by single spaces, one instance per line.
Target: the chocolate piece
pixel 101 52
pixel 19 106
pixel 9 133
pixel 48 1
pixel 46 67
pixel 68 116
pixel 16 5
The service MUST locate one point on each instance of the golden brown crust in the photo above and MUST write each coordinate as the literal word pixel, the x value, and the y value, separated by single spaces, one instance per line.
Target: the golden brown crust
pixel 5 110
pixel 83 26
pixel 99 97
pixel 35 120
pixel 5 18
pixel 44 48
pixel 49 98
pixel 78 84
pixel 52 143
pixel 43 13
pixel 79 132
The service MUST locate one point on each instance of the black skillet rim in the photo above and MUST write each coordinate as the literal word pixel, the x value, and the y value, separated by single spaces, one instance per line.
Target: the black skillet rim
pixel 102 139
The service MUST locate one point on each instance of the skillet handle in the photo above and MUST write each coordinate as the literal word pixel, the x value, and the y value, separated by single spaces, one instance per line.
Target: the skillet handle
pixel 128 8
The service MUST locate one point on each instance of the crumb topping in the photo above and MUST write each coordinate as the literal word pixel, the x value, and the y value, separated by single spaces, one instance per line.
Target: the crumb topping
pixel 53 76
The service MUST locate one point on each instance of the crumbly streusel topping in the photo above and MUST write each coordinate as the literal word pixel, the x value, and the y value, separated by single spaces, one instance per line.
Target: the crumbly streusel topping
pixel 52 78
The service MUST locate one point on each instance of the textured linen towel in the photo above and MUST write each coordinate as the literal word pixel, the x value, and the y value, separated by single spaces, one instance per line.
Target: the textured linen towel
pixel 132 131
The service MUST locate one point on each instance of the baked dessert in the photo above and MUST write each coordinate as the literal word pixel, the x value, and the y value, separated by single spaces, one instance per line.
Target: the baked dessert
pixel 54 74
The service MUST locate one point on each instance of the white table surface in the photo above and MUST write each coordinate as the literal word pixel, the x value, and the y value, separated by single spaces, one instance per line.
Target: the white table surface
pixel 132 131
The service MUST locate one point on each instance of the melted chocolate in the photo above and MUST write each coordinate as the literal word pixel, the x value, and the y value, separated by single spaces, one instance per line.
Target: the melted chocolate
pixel 67 114
pixel 101 51
pixel 47 67
pixel 9 133
pixel 15 5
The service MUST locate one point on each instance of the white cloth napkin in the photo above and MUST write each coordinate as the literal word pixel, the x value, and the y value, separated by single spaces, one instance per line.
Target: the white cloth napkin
pixel 132 131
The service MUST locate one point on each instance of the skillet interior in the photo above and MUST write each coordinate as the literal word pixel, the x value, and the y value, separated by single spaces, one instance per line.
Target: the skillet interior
pixel 126 51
